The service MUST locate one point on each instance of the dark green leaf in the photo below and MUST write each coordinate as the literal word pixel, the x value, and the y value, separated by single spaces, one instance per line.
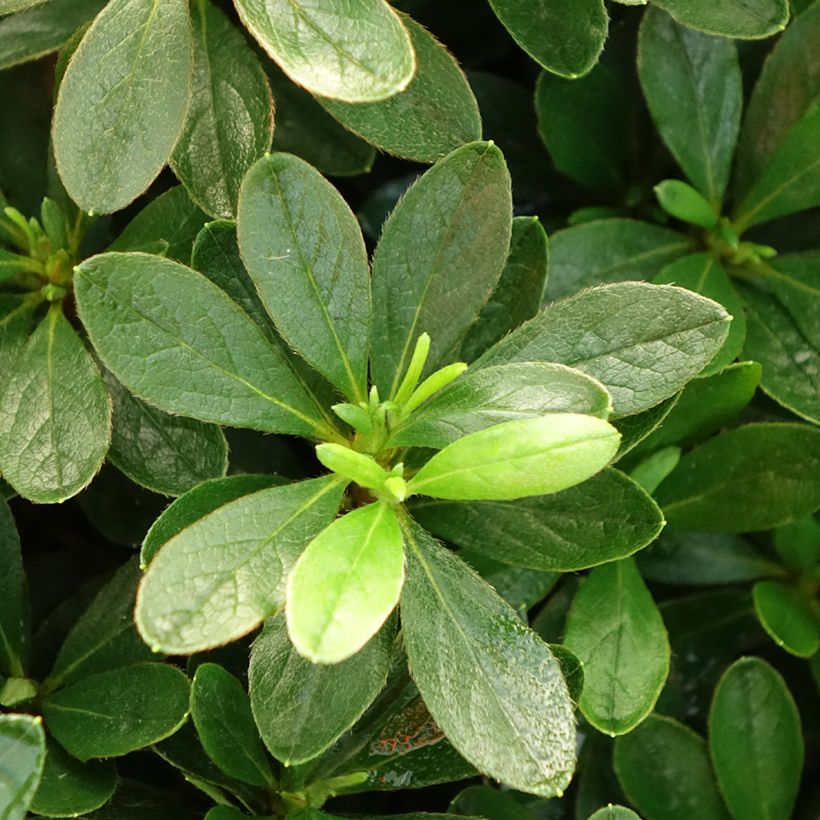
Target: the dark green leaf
pixel 15 614
pixel 136 801
pixel 491 803
pixel 115 129
pixel 749 19
pixel 788 618
pixel 16 315
pixel 22 754
pixel 798 543
pixel 634 429
pixel 752 478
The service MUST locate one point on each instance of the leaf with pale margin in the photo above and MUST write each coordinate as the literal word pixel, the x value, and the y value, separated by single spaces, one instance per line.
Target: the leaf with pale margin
pixel 22 755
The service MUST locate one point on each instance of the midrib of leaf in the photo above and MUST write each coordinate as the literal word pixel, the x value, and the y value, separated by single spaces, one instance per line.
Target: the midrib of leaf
pixel 53 317
pixel 15 661
pixel 707 269
pixel 303 706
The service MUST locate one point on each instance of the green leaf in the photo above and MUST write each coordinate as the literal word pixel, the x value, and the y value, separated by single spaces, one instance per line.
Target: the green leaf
pixel 304 251
pixel 798 543
pixel 490 683
pixel 490 803
pixel 104 637
pixel 357 53
pixel 222 575
pixel 230 120
pixel 210 361
pixel 585 126
pixel 440 255
pixel 609 250
pixel 55 415
pixel 746 19
pixel 434 115
pixel 171 218
pixel 751 478
pixel 15 611
pixel 22 753
pixel 617 334
pixel 12 6
pixel 703 274
pixel 519 458
pixel 302 708
pixel 69 788
pixel 517 296
pixel 199 502
pixel 115 129
pixel 564 36
pixel 756 742
pixel 664 770
pixel 304 128
pixel 693 87
pixel 683 202
pixel 119 711
pixel 222 715
pixel 655 468
pixel 634 429
pixel 788 618
pixel 600 520
pixel 611 812
pixel 16 316
pixel 793 63
pixel 134 801
pixel 43 28
pixel 345 584
pixel 617 632
pixel 493 395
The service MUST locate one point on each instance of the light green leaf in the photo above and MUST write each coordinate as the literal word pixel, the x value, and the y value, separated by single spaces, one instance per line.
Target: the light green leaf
pixel 302 708
pixel 600 520
pixel 519 458
pixel 230 120
pixel 15 612
pixel 434 115
pixel 616 630
pixel 222 715
pixel 119 711
pixel 681 200
pixel 563 36
pixel 664 770
pixel 483 398
pixel 345 584
pixel 611 812
pixel 609 250
pixel 222 575
pixel 13 6
pixel 751 478
pixel 650 471
pixel 788 618
pixel 55 415
pixel 209 360
pixel 304 251
pixel 693 87
pixel 440 255
pixel 491 684
pixel 357 52
pixel 747 19
pixel 756 742
pixel 617 334
pixel 115 129
pixel 22 754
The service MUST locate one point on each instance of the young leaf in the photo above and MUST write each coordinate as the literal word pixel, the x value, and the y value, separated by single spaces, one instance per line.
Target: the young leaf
pixel 683 202
pixel 650 471
pixel 345 584
pixel 117 712
pixel 55 415
pixel 563 36
pixel 519 458
pixel 69 788
pixel 751 478
pixel 603 519
pixel 703 274
pixel 617 334
pixel 693 87
pixel 209 360
pixel 616 630
pixel 664 770
pixel 440 255
pixel 517 296
pixel 304 251
pixel 224 574
pixel 134 109
pixel 756 741
pixel 494 395
pixel 788 618
pixel 302 708
pixel 609 250
pixel 434 115
pixel 15 612
pixel 22 753
pixel 222 716
pixel 490 683
pixel 747 19
pixel 230 120
pixel 357 53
